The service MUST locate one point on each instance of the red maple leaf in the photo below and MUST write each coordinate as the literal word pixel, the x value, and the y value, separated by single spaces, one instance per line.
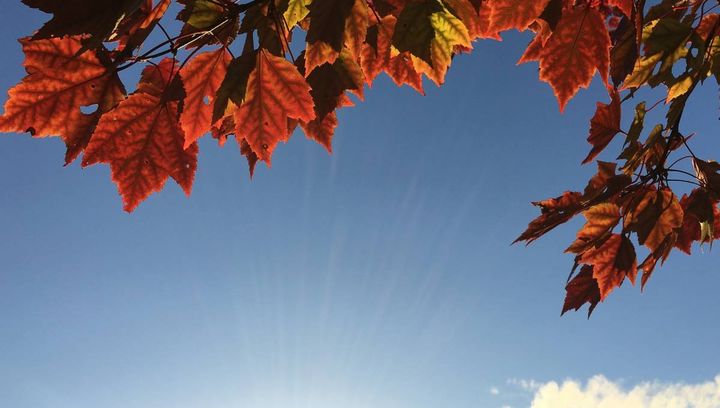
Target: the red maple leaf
pixel 276 92
pixel 202 78
pixel 49 99
pixel 142 140
pixel 579 46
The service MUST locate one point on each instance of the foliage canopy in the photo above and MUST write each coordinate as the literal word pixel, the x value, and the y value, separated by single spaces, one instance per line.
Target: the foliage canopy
pixel 230 72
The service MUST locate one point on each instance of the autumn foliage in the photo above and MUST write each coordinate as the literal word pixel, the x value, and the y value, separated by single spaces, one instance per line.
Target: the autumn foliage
pixel 230 71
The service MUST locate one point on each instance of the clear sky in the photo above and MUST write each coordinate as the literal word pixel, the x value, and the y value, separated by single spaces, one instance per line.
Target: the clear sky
pixel 381 276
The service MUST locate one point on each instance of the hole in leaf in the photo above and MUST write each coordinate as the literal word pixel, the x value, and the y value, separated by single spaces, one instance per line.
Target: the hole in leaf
pixel 206 100
pixel 89 109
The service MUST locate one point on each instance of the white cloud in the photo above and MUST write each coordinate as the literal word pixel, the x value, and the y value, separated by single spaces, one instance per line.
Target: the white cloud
pixel 527 385
pixel 494 391
pixel 599 392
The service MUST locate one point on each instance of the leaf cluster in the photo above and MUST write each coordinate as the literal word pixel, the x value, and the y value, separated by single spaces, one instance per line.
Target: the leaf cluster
pixel 230 72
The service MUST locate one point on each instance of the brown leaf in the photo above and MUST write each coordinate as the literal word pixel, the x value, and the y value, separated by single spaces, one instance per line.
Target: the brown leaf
pixel 604 125
pixel 582 289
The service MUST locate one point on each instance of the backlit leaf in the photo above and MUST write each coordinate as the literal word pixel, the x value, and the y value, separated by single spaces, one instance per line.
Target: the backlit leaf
pixel 612 262
pixel 604 125
pixel 49 99
pixel 583 288
pixel 202 77
pixel 276 92
pixel 143 142
pixel 579 46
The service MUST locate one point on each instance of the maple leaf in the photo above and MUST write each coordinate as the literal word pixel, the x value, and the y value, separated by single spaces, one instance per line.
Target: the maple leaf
pixel 579 46
pixel 375 53
pixel 234 85
pixel 261 21
pixel 708 172
pixel 654 217
pixel 414 31
pixel 601 219
pixel 49 99
pixel 612 262
pixel 624 52
pixel 698 219
pixel 327 21
pixel 330 81
pixel 513 14
pixel 296 11
pixel 604 125
pixel 97 18
pixel 200 16
pixel 142 140
pixel 326 34
pixel 133 34
pixel 583 288
pixel 276 92
pixel 321 130
pixel 356 26
pixel 402 71
pixel 450 33
pixel 555 211
pixel 202 77
pixel 475 17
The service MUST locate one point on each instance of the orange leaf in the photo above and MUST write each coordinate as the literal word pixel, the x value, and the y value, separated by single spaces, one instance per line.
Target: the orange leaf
pixel 657 215
pixel 141 24
pixel 276 92
pixel 356 26
pixel 317 54
pixel 375 54
pixel 477 22
pixel 48 100
pixel 402 71
pixel 555 211
pixel 202 78
pixel 142 141
pixel 612 261
pixel 579 46
pixel 601 219
pixel 321 130
pixel 514 14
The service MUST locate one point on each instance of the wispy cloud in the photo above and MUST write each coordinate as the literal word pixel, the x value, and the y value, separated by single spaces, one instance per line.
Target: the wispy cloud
pixel 527 385
pixel 494 391
pixel 599 392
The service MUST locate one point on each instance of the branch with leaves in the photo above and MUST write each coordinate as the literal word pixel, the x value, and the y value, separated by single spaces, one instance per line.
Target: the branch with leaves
pixel 230 72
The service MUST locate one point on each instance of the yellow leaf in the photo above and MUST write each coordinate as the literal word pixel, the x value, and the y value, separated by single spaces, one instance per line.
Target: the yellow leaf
pixel 679 88
pixel 296 11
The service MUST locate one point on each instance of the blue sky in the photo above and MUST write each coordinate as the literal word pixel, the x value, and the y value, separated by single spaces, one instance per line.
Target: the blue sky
pixel 381 276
